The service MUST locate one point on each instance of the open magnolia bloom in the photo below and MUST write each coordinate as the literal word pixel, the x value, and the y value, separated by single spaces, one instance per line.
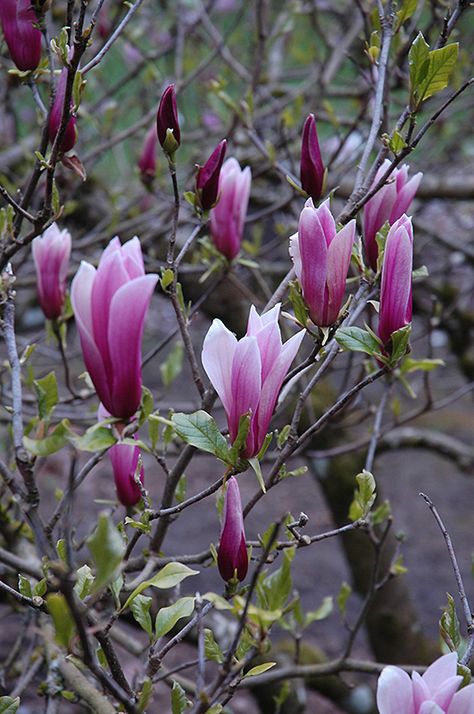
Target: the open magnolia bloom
pixel 110 306
pixel 248 373
pixel 435 692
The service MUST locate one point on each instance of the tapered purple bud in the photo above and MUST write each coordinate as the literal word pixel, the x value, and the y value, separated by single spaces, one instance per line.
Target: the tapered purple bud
pixel 232 557
pixel 70 135
pixel 124 458
pixel 147 159
pixel 110 306
pixel 396 288
pixel 321 257
pixel 17 18
pixel 388 204
pixel 207 179
pixel 311 165
pixel 247 374
pixel 167 124
pixel 51 252
pixel 228 216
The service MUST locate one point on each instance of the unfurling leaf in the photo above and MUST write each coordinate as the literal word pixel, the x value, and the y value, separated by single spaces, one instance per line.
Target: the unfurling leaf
pixel 107 549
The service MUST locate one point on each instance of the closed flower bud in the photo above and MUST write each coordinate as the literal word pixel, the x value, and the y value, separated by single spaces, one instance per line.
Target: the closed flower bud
pixel 321 257
pixel 110 305
pixel 51 252
pixel 388 204
pixel 147 159
pixel 17 18
pixel 232 557
pixel 395 291
pixel 167 124
pixel 228 216
pixel 70 134
pixel 124 458
pixel 207 179
pixel 311 166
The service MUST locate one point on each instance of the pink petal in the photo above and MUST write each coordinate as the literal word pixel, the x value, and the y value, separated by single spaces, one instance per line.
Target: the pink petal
pixel 444 694
pixel 430 708
pixel 245 383
pixel 217 356
pixel 443 668
pixel 463 701
pixel 111 275
pixel 339 258
pixel 294 251
pixel 421 693
pixel 313 251
pixel 395 291
pixel 124 458
pixel 232 553
pixel 405 197
pixel 394 692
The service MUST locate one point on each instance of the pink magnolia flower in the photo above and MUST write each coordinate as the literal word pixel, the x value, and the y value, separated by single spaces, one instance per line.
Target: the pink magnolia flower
pixel 388 204
pixel 17 18
pixel 321 257
pixel 51 252
pixel 147 159
pixel 124 458
pixel 247 374
pixel 436 692
pixel 228 216
pixel 110 305
pixel 167 118
pixel 232 557
pixel 395 292
pixel 207 179
pixel 70 135
pixel 311 165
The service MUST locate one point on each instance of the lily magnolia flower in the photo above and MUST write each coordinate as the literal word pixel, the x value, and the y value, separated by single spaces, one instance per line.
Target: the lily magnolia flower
pixel 232 557
pixel 167 118
pixel 311 164
pixel 388 204
pixel 396 288
pixel 321 257
pixel 435 692
pixel 110 305
pixel 17 18
pixel 70 135
pixel 124 459
pixel 247 374
pixel 51 253
pixel 147 159
pixel 207 179
pixel 228 216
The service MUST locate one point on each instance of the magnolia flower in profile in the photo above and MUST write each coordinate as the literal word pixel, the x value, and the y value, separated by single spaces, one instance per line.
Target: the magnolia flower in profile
pixel 388 204
pixel 207 179
pixel 110 306
pixel 396 288
pixel 321 257
pixel 228 216
pixel 51 252
pixel 23 39
pixel 435 692
pixel 232 557
pixel 167 124
pixel 147 158
pixel 311 165
pixel 55 116
pixel 124 458
pixel 247 374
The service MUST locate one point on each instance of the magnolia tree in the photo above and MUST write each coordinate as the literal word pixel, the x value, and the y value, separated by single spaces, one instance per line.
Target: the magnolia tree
pixel 226 183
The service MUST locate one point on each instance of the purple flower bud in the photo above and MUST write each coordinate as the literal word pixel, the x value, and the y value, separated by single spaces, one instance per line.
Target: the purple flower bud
pixel 228 216
pixel 311 165
pixel 388 204
pixel 232 558
pixel 395 292
pixel 207 179
pixel 321 257
pixel 70 135
pixel 147 160
pixel 247 374
pixel 51 253
pixel 23 39
pixel 124 458
pixel 110 305
pixel 167 124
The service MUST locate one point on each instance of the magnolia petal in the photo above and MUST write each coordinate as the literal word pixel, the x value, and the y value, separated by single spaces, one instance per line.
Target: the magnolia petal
pixel 294 251
pixel 394 692
pixel 444 694
pixel 339 258
pixel 405 197
pixel 124 459
pixel 463 701
pixel 232 554
pixel 217 356
pixel 313 252
pixel 395 291
pixel 443 668
pixel 245 382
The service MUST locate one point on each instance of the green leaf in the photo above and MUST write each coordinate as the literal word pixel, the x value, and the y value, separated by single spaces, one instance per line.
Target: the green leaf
pixel 298 303
pixel 107 549
pixel 255 464
pixel 364 496
pixel 62 619
pixel 259 669
pixel 47 394
pixel 381 514
pixel 167 617
pixel 449 625
pixel 399 341
pixel 425 365
pixel 24 586
pixel 276 588
pixel 140 607
pixel 356 339
pixel 342 598
pixel 240 439
pixel 200 430
pixel 55 440
pixel 180 491
pixel 419 62
pixel 406 11
pixel 396 142
pixel 168 577
pixel 441 65
pixel 166 278
pixel 84 581
pixel 173 364
pixel 145 695
pixel 397 567
pixel 96 438
pixel 323 611
pixel 211 648
pixel 179 702
pixel 41 587
pixel 8 705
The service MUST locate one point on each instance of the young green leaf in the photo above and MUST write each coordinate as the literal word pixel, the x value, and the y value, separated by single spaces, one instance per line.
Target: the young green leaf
pixel 449 625
pixel 173 364
pixel 47 394
pixel 168 577
pixel 259 669
pixel 211 648
pixel 8 705
pixel 140 607
pixel 364 496
pixel 55 440
pixel 64 626
pixel 107 549
pixel 167 617
pixel 356 339
pixel 179 702
pixel 200 430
